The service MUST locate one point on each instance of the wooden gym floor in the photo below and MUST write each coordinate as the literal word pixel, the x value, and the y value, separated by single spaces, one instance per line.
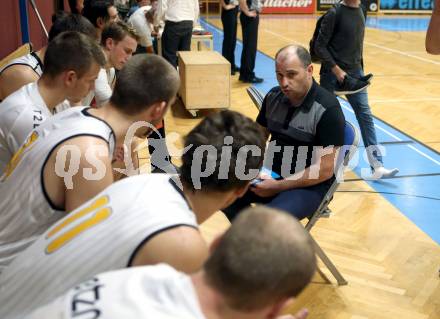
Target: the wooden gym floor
pixel 392 266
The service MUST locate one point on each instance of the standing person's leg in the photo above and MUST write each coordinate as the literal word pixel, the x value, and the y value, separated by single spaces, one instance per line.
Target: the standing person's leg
pixel 229 21
pixel 170 42
pixel 185 34
pixel 361 108
pixel 359 103
pixel 300 202
pixel 246 63
pixel 234 23
pixel 328 80
pixel 250 36
pixel 159 155
pixel 253 41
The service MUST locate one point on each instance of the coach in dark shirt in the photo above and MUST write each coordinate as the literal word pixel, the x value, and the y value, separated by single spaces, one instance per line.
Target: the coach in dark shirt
pixel 306 125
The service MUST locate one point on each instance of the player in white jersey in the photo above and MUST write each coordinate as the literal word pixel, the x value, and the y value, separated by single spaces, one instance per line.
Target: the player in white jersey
pixel 64 77
pixel 28 68
pixel 257 267
pixel 118 42
pixel 142 26
pixel 141 220
pixel 67 159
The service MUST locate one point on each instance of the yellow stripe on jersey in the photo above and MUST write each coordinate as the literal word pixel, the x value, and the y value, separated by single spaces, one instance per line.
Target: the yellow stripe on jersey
pixel 101 201
pixel 15 160
pixel 60 241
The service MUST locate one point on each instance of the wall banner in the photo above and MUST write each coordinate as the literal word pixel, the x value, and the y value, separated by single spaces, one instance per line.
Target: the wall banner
pixel 289 6
pixel 371 5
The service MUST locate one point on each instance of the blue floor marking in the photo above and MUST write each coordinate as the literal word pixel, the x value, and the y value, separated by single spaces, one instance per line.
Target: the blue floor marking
pixel 412 158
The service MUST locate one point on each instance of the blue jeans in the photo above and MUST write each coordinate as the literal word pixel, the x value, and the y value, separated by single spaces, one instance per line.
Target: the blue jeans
pixel 359 103
pixel 298 202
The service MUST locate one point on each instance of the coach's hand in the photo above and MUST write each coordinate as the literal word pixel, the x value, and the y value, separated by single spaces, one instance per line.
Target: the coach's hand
pixel 267 187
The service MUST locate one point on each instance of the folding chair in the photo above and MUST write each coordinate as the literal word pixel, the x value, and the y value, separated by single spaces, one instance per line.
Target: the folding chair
pixel 256 96
pixel 351 141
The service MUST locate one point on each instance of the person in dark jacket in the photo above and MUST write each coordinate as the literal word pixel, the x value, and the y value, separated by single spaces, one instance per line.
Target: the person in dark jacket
pixel 340 46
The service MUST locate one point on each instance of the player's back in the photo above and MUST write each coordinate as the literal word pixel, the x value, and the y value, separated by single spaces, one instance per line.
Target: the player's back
pixel 142 292
pixel 101 235
pixel 25 209
pixel 20 113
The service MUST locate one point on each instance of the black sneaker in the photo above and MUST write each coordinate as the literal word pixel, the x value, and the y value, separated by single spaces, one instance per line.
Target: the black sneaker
pixel 366 78
pixel 350 85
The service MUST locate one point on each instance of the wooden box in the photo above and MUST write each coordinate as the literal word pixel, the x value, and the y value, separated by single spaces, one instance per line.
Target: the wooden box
pixel 205 80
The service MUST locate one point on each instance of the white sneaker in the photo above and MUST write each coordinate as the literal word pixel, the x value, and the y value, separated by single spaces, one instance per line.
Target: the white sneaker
pixel 382 172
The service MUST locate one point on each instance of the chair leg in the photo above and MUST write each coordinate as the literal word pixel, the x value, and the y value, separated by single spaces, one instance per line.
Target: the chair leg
pixel 328 263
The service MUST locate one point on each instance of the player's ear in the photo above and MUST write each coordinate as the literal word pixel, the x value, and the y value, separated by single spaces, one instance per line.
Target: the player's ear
pixel 70 78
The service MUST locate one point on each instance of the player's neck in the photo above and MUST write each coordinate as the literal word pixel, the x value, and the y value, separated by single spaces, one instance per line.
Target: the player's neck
pixel 208 298
pixel 51 94
pixel 204 205
pixel 213 304
pixel 108 64
pixel 119 122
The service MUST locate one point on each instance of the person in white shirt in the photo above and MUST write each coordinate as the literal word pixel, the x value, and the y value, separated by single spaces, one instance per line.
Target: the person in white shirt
pixel 180 16
pixel 28 68
pixel 119 42
pixel 67 159
pixel 141 220
pixel 65 76
pixel 256 268
pixel 138 20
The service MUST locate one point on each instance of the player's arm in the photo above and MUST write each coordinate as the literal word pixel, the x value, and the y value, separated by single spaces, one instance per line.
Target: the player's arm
pixel 77 170
pixel 14 78
pixel 432 42
pixel 94 175
pixel 181 247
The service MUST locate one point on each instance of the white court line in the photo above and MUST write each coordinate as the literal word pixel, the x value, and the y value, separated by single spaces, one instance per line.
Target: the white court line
pixel 395 137
pixel 402 53
pixel 284 38
pixel 404 100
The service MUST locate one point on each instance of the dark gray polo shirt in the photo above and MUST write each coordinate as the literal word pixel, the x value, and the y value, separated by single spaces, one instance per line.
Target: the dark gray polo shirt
pixel 318 121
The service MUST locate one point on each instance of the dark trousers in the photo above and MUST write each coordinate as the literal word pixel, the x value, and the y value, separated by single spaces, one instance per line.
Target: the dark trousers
pixel 229 21
pixel 176 37
pixel 156 140
pixel 249 27
pixel 157 148
pixel 299 202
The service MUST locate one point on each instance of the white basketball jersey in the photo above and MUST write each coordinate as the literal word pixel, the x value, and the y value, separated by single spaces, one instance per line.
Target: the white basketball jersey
pixel 101 235
pixel 25 210
pixel 32 60
pixel 156 292
pixel 20 113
